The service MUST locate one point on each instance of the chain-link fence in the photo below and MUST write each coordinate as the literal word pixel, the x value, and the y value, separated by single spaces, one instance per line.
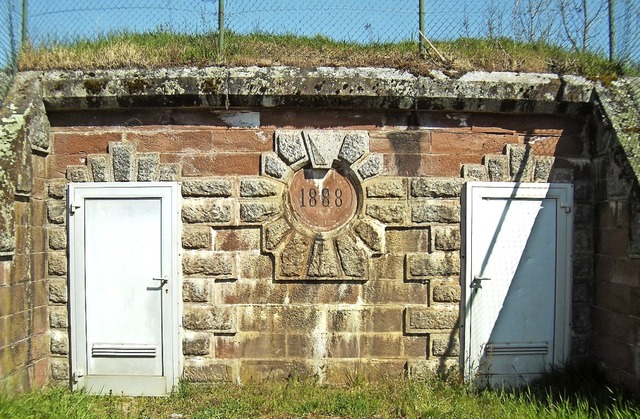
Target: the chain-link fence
pixel 11 34
pixel 606 27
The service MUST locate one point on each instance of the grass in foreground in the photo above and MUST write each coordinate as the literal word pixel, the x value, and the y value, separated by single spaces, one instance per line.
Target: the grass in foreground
pixel 574 395
pixel 168 49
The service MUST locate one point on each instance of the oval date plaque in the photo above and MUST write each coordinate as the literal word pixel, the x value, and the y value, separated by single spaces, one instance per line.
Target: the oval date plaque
pixel 322 200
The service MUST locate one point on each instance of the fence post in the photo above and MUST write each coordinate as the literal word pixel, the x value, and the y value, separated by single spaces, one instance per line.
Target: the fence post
pixel 24 24
pixel 612 33
pixel 220 26
pixel 421 47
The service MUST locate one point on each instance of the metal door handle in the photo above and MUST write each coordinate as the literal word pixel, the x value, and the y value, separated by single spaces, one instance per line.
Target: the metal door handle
pixel 162 280
pixel 476 283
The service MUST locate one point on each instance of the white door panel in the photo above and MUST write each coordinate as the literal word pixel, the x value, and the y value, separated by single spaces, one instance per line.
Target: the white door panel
pixel 518 252
pixel 123 244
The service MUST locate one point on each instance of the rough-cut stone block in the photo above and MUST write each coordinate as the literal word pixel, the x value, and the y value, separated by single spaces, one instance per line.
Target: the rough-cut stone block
pixel 100 167
pixel 476 172
pixel 354 259
pixel 446 293
pixel 59 369
pixel 274 167
pixel 275 232
pixel 218 319
pixel 237 239
pixel 323 147
pixel 207 371
pixel 446 237
pixel 57 263
pixel 207 263
pixel 435 211
pixel 354 146
pixel 543 166
pixel 58 317
pixel 148 167
pixel 521 162
pixel 123 156
pixel 290 147
pixel 294 256
pixel 57 238
pixel 259 188
pixel 196 237
pixel 196 344
pixel 497 167
pixel 387 188
pixel 170 172
pixel 206 211
pixel 387 213
pixel 427 319
pixel 255 212
pixel 219 187
pixel 433 264
pixel 324 261
pixel 371 232
pixel 77 174
pixel 195 290
pixel 371 166
pixel 59 343
pixel 433 187
pixel 58 290
pixel 57 189
pixel 445 345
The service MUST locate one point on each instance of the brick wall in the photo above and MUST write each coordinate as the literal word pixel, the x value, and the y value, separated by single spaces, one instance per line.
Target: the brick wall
pixel 253 307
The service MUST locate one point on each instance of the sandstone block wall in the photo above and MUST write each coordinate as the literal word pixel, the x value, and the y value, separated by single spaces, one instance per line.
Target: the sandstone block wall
pixel 24 342
pixel 262 297
pixel 616 314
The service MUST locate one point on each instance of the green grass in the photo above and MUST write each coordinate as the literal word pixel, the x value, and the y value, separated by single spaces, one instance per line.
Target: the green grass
pixel 573 394
pixel 167 49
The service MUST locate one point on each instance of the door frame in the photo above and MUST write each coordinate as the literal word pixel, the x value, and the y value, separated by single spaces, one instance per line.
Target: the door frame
pixel 563 194
pixel 169 193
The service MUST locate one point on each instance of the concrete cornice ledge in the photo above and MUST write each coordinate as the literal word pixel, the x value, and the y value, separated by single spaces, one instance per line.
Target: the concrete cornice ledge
pixel 322 87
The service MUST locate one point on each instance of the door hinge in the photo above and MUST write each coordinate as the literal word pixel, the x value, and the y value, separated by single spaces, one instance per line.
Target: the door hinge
pixel 567 207
pixel 73 207
pixel 76 375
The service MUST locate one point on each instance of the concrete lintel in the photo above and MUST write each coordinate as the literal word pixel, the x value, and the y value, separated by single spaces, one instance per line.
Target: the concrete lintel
pixel 361 88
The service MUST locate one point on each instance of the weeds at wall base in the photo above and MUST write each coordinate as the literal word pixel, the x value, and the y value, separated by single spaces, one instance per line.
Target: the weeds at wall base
pixel 570 393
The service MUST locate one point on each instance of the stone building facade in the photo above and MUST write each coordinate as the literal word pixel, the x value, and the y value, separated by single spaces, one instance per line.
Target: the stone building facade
pixel 270 289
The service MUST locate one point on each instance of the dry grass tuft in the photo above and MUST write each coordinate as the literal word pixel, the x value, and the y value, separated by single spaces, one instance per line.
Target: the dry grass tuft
pixel 162 49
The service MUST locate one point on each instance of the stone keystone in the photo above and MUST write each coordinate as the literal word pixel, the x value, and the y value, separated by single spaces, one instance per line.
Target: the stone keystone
pixel 371 232
pixel 275 232
pixel 323 147
pixel 123 157
pixel 100 167
pixel 290 148
pixel 371 166
pixel 353 258
pixel 273 166
pixel 294 256
pixel 355 146
pixel 324 261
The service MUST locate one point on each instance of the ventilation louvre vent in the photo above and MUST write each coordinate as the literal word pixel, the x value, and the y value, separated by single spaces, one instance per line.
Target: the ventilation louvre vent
pixel 123 350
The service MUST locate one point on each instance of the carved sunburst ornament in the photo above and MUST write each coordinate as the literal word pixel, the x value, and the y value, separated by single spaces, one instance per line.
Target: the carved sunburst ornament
pixel 322 232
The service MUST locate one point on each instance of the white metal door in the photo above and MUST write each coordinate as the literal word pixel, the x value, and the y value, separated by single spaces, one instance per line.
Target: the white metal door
pixel 124 293
pixel 517 280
